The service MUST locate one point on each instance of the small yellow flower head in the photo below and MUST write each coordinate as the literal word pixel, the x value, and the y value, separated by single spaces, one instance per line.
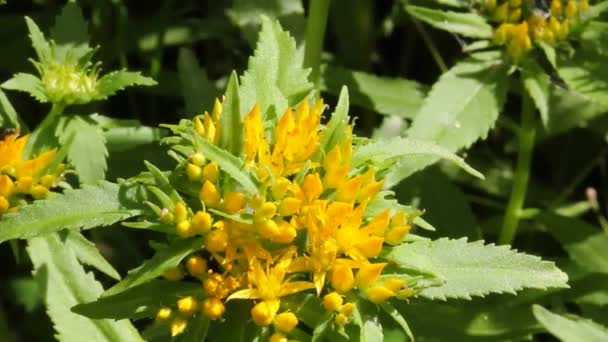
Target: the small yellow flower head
pixel 194 172
pixel 347 309
pixel 187 305
pixel 201 222
pixel 174 274
pixel 234 202
pixel 263 313
pixel 163 314
pixel 368 274
pixel 212 284
pixel 216 241
pixel 278 337
pixel 196 265
pixel 312 187
pixel 180 213
pixel 213 308
pixel 210 195
pixel 332 301
pixel 286 321
pixel 341 319
pixel 211 172
pixel 342 278
pixel 184 228
pixel 178 326
pixel 289 206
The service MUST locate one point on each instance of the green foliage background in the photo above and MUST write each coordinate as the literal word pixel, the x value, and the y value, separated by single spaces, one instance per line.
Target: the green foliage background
pixel 387 58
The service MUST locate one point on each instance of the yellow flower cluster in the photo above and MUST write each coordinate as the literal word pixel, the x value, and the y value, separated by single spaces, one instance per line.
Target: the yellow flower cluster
pixel 520 23
pixel 19 178
pixel 305 230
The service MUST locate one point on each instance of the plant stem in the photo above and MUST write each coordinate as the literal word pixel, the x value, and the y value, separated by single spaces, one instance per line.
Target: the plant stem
pixel 527 132
pixel 431 46
pixel 315 34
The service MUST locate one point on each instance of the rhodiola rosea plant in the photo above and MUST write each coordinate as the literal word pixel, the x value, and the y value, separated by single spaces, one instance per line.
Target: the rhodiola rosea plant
pixel 274 221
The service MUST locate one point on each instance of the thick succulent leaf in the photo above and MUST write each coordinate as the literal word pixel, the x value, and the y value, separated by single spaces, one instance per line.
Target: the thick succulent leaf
pixel 27 83
pixel 274 76
pixel 115 81
pixel 65 284
pixel 163 260
pixel 461 107
pixel 139 301
pixel 86 146
pixel 585 243
pixel 70 34
pixel 467 24
pixel 411 154
pixel 231 132
pixel 385 95
pixel 474 269
pixel 85 208
pixel 570 328
pixel 197 90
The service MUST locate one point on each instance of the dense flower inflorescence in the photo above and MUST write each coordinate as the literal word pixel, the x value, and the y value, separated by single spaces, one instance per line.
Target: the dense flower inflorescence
pixel 305 229
pixel 21 178
pixel 522 22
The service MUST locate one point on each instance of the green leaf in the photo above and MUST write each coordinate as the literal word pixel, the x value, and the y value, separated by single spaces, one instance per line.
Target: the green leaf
pixel 87 149
pixel 87 253
pixel 385 95
pixel 120 139
pixel 585 73
pixel 570 108
pixel 334 130
pixel 538 84
pixel 467 24
pixel 585 244
pixel 231 137
pixel 247 12
pixel 595 10
pixel 229 164
pixel 461 107
pixel 595 36
pixel 27 83
pixel 115 81
pixel 70 34
pixel 163 260
pixel 413 155
pixel 85 208
pixel 196 330
pixel 274 76
pixel 197 90
pixel 39 43
pixel 139 301
pixel 395 315
pixel 65 284
pixel 8 115
pixel 568 329
pixel 474 269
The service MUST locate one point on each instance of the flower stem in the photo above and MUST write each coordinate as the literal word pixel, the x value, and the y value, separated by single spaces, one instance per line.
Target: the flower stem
pixel 315 33
pixel 526 135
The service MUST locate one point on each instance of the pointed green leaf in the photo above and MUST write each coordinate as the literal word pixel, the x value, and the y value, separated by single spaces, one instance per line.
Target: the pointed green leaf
pixel 229 164
pixel 70 34
pixel 586 74
pixel 474 269
pixel 85 208
pixel 467 24
pixel 197 90
pixel 87 150
pixel 139 301
pixel 163 260
pixel 39 43
pixel 65 283
pixel 8 115
pixel 87 253
pixel 570 328
pixel 394 314
pixel 27 83
pixel 274 76
pixel 231 137
pixel 334 130
pixel 538 85
pixel 196 330
pixel 461 107
pixel 115 81
pixel 413 155
pixel 388 96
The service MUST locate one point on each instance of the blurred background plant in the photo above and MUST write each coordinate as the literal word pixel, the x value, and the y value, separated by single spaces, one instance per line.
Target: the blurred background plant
pixel 406 64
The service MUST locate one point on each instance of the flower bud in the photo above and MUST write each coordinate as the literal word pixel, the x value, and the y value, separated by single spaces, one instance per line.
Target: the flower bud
pixel 209 195
pixel 183 228
pixel 196 265
pixel 342 278
pixel 213 308
pixel 193 172
pixel 211 172
pixel 234 202
pixel 263 313
pixel 216 241
pixel 187 305
pixel 163 314
pixel 201 222
pixel 289 206
pixel 378 294
pixel 197 159
pixel 178 326
pixel 286 321
pixel 332 301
